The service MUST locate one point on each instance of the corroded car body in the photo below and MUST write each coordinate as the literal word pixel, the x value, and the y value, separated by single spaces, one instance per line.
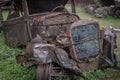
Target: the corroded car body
pixel 81 40
pixel 87 43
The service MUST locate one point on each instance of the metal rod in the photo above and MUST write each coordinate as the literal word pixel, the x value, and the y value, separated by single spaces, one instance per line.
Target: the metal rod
pixel 117 30
pixel 73 6
pixel 26 17
pixel 1 18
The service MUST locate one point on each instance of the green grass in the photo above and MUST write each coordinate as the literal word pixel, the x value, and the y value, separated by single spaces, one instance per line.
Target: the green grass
pixel 10 70
pixel 104 22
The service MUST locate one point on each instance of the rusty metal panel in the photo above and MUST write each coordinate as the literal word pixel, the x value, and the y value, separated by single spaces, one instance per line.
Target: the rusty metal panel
pixel 85 37
pixel 57 18
pixel 15 32
pixel 81 24
pixel 86 40
pixel 52 24
pixel 90 65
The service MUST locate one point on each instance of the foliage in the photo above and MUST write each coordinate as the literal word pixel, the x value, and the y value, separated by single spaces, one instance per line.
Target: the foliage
pixel 9 69
pixel 98 2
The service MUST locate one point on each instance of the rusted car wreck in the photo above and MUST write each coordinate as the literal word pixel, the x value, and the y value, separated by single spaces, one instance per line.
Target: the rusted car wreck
pixel 58 42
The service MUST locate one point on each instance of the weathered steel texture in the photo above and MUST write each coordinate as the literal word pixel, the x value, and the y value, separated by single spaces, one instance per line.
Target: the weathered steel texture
pixel 37 22
pixel 57 55
pixel 73 6
pixel 5 4
pixel 52 24
pixel 47 53
pixel 117 30
pixel 44 72
pixel 81 22
pixel 109 45
pixel 15 32
pixel 25 21
pixel 89 63
pixel 26 17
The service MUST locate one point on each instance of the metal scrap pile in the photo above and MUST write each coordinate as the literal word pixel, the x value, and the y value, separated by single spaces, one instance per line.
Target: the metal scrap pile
pixel 48 54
